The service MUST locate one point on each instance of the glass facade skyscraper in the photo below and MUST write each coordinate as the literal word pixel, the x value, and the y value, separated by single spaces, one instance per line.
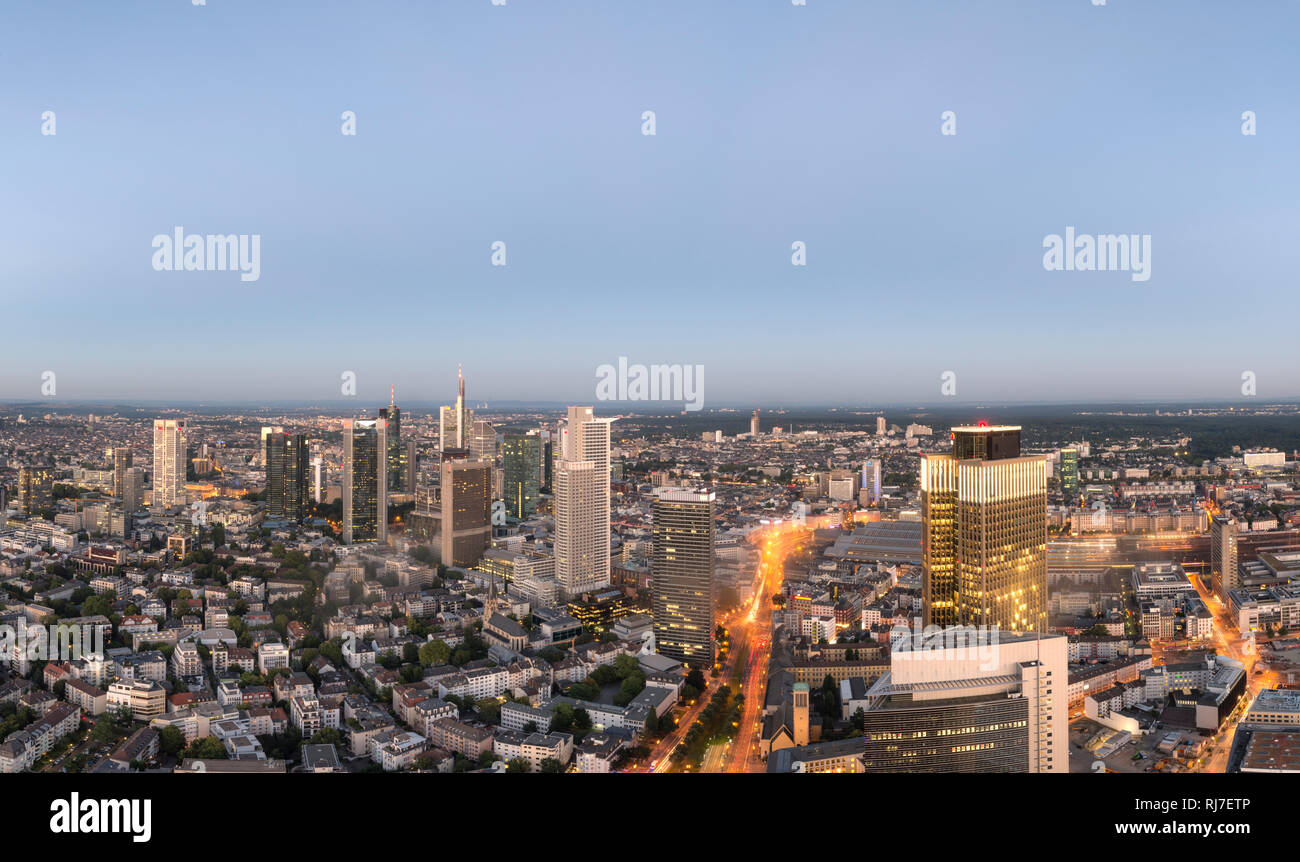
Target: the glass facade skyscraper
pixel 365 481
pixel 682 569
pixel 984 514
pixel 287 476
pixel 521 456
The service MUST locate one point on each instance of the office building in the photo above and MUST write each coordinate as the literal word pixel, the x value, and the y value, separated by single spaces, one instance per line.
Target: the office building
pixel 168 463
pixel 1069 474
pixel 133 490
pixel 397 468
pixel 682 568
pixel 35 489
pixel 121 463
pixel 582 504
pixel 969 700
pixel 521 461
pixel 483 441
pixel 286 457
pixel 466 508
pixel 365 481
pixel 454 423
pixel 984 516
pixel 1223 556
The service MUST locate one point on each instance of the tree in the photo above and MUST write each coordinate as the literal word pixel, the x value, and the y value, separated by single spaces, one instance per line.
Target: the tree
pixel 489 710
pixel 171 741
pixel 434 653
pixel 551 765
pixel 518 764
pixel 207 748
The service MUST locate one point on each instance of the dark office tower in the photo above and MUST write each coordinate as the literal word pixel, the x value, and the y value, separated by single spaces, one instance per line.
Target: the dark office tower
pixel 466 511
pixel 548 460
pixel 288 478
pixel 984 515
pixel 521 461
pixel 411 466
pixel 682 569
pixel 1223 556
pixel 1070 474
pixel 365 481
pixel 121 463
pixel 396 451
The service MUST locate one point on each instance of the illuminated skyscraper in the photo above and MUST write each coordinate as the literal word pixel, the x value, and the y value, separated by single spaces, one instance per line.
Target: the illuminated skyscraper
pixel 753 424
pixel 521 462
pixel 365 481
pixel 168 462
pixel 582 504
pixel 984 514
pixel 317 464
pixel 1070 474
pixel 682 567
pixel 35 489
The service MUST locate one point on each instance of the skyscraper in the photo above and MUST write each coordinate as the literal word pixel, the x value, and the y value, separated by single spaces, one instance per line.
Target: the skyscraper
pixel 286 476
pixel 168 462
pixel 317 464
pixel 411 466
pixel 454 423
pixel 521 457
pixel 121 463
pixel 1069 474
pixel 466 509
pixel 984 514
pixel 483 441
pixel 1223 556
pixel 682 568
pixel 365 481
pixel 396 451
pixel 753 423
pixel 35 489
pixel 871 479
pixel 133 490
pixel 582 503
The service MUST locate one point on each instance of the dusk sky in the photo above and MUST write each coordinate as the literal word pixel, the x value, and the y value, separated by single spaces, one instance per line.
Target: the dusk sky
pixel 775 123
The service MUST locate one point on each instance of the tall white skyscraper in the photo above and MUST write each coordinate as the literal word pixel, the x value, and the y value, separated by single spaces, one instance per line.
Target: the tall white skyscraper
pixel 582 503
pixel 168 462
pixel 455 423
pixel 483 441
pixel 316 464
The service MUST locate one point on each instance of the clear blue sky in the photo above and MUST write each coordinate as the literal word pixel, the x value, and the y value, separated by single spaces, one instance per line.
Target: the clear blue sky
pixel 775 123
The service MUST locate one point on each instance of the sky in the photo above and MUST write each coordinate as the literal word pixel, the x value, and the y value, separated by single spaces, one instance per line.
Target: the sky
pixel 774 124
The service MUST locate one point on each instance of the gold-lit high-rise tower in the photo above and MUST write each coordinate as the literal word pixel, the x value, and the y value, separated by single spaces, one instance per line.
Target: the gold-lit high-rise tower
pixel 984 510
